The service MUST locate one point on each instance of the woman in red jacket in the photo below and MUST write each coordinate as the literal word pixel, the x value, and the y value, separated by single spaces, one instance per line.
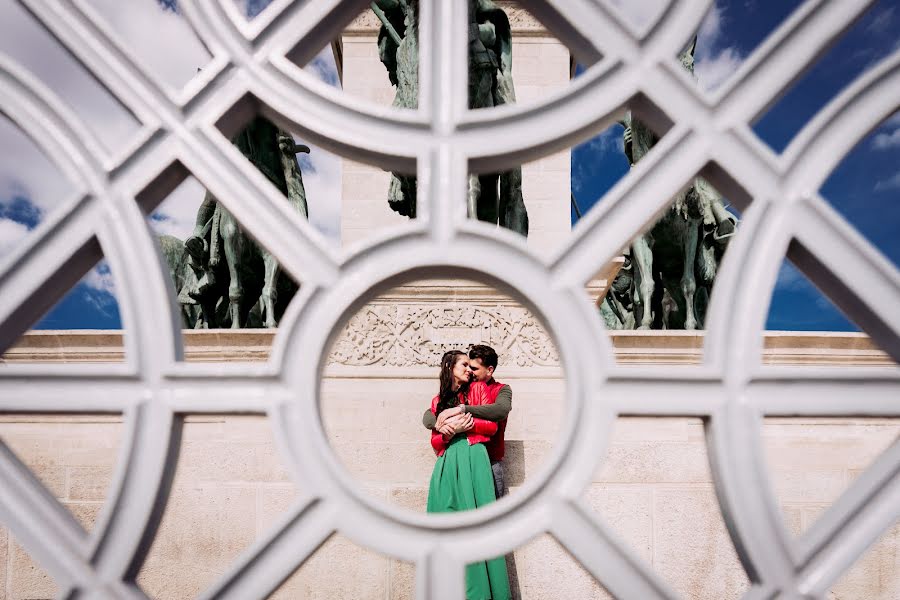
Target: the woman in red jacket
pixel 462 477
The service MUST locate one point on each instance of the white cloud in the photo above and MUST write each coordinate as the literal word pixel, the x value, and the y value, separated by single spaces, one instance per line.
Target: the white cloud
pixel 11 233
pixel 176 215
pixel 163 42
pixel 883 141
pixel 611 139
pixel 100 279
pixel 711 27
pixel 25 171
pixel 892 121
pixel 26 42
pixel 585 167
pixel 713 70
pixel 891 183
pixel 323 191
pixel 714 63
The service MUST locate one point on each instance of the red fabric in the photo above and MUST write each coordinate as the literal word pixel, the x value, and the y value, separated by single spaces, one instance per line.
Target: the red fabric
pixel 495 446
pixel 482 429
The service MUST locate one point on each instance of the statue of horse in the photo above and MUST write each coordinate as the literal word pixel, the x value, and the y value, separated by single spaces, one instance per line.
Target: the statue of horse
pixel 183 277
pixel 675 261
pixel 248 269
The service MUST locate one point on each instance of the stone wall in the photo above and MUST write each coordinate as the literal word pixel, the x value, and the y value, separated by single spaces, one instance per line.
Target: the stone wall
pixel 654 487
pixel 654 490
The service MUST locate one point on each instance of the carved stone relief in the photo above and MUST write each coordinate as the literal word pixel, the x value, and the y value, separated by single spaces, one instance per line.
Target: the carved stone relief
pixel 416 335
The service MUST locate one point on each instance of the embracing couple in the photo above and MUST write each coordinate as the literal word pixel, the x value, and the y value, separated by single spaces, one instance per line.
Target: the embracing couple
pixel 467 420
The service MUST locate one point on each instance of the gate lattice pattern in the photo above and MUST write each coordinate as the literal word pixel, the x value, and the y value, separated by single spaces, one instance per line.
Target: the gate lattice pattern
pixel 254 68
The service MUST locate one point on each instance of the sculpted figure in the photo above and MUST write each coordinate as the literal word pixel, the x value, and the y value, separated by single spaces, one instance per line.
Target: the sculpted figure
pixel 248 270
pixel 494 198
pixel 673 265
pixel 182 276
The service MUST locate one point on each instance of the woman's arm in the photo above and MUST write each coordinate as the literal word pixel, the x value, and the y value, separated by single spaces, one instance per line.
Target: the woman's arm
pixel 438 442
pixel 484 427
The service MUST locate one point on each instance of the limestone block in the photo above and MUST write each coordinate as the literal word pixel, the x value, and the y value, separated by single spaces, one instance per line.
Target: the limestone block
pixel 388 464
pixel 412 498
pixel 402 580
pixel 338 570
pixel 561 162
pixel 525 49
pixel 529 93
pixel 85 513
pixel 547 572
pixel 692 550
pixel 523 459
pixel 810 513
pixel 627 510
pixel 820 485
pixel 4 560
pixel 810 444
pixel 27 579
pixel 275 501
pixel 358 48
pixel 38 452
pixel 353 414
pixel 212 429
pixel 793 518
pixel 546 241
pixel 541 420
pixel 220 460
pixel 637 462
pixel 90 444
pixel 247 428
pixel 540 187
pixel 876 575
pixel 637 429
pixel 203 530
pixel 88 483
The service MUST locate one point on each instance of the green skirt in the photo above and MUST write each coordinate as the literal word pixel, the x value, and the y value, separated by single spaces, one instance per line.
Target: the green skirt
pixel 462 480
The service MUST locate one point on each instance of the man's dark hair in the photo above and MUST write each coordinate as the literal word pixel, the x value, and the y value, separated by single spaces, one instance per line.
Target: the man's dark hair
pixel 487 355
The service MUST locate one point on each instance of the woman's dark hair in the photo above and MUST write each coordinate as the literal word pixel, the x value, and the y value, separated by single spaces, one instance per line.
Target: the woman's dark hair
pixel 447 397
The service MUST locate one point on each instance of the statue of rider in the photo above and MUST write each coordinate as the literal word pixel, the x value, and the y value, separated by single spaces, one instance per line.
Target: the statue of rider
pixel 272 151
pixel 494 198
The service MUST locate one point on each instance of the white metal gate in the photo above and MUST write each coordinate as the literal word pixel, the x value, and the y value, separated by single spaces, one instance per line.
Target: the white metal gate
pixel 731 390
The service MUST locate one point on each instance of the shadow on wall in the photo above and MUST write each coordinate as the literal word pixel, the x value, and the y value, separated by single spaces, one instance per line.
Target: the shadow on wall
pixel 514 467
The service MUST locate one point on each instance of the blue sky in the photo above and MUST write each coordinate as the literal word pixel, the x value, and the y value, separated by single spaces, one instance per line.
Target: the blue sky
pixel 864 188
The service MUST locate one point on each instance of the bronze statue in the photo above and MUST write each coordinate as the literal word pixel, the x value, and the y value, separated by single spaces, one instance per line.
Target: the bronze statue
pixel 667 279
pixel 219 288
pixel 494 198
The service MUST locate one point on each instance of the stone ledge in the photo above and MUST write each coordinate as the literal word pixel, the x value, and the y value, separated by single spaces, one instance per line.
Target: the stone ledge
pixel 631 347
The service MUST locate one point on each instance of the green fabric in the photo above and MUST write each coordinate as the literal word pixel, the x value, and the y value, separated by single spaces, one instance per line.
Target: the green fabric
pixel 462 480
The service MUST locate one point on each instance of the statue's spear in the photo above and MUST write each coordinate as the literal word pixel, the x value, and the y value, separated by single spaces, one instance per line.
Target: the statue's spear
pixel 387 24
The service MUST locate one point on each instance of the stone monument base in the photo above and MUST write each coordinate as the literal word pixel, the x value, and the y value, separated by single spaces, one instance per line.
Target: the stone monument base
pixel 654 488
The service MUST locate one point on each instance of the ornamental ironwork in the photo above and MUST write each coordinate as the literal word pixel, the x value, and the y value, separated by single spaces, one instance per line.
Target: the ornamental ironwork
pixel 254 69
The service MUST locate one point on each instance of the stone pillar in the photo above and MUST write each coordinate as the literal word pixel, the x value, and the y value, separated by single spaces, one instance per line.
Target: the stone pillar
pixel 540 67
